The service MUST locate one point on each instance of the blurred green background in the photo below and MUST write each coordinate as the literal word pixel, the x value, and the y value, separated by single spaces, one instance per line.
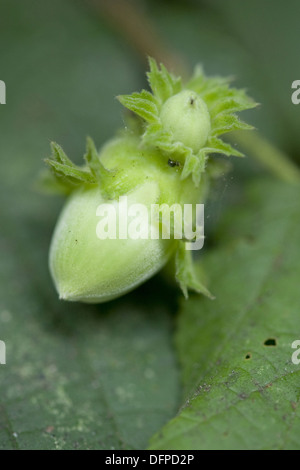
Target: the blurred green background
pixel 106 376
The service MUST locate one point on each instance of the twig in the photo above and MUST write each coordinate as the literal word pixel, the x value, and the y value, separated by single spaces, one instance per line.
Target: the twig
pixel 268 155
pixel 127 17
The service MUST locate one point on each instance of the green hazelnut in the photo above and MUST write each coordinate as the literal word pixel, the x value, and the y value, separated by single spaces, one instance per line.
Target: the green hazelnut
pixel 185 116
pixel 89 269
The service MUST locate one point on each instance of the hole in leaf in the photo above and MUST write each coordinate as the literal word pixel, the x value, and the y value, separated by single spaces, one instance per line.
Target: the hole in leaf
pixel 248 356
pixel 270 342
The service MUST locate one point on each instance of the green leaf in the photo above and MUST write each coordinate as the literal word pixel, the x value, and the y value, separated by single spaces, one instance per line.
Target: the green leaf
pixel 241 387
pixel 101 175
pixel 65 172
pixel 224 123
pixel 193 165
pixel 216 145
pixel 186 274
pixel 236 100
pixel 143 104
pixel 163 83
pixel 59 155
pixel 202 85
pixel 62 170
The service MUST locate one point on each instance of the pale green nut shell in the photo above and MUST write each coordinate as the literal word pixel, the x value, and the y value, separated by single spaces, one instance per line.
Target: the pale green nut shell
pixel 88 269
pixel 185 116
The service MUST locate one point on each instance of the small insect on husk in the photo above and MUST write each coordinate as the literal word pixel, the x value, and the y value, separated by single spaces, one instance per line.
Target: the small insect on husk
pixel 173 163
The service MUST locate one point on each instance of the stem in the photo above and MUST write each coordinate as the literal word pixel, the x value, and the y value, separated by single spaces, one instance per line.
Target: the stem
pixel 128 19
pixel 268 155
